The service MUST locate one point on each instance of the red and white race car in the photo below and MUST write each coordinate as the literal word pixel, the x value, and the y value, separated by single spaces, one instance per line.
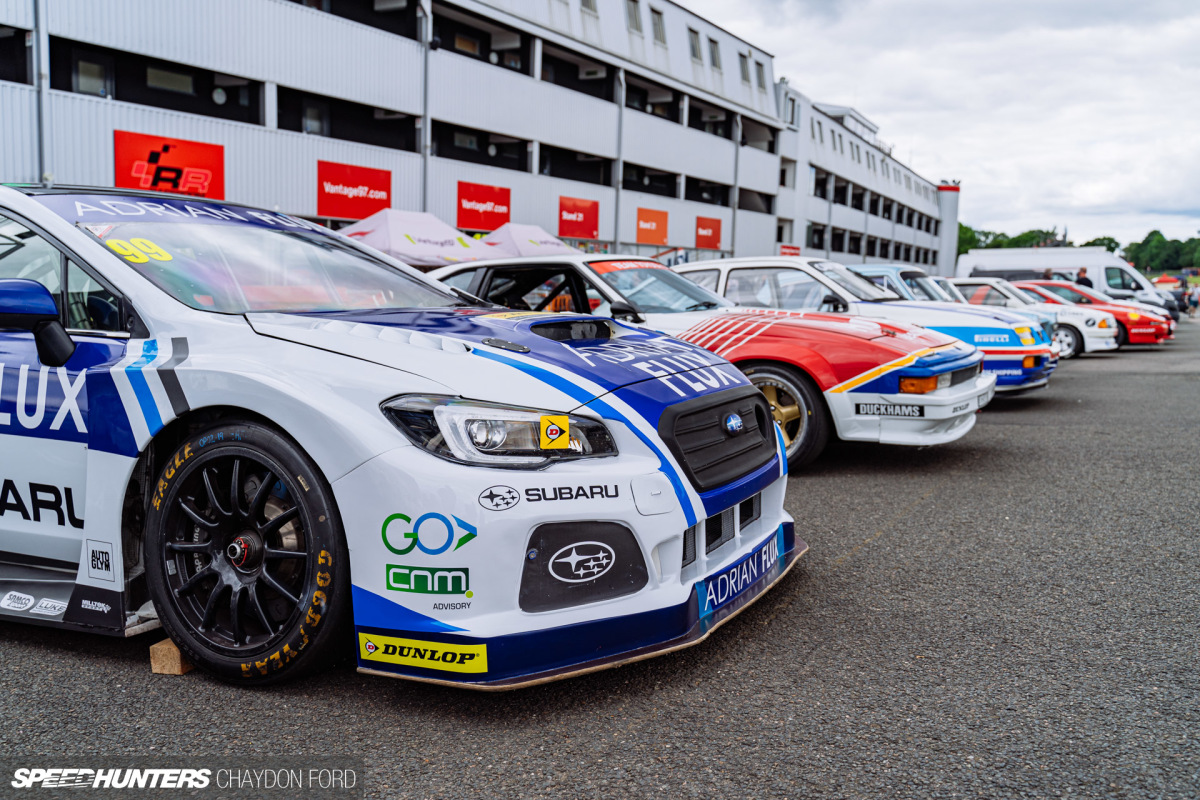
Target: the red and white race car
pixel 1137 323
pixel 824 374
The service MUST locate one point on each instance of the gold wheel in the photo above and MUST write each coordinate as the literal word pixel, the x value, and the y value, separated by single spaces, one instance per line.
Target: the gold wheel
pixel 787 407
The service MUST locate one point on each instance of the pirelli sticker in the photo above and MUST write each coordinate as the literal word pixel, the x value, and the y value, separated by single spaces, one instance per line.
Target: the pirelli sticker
pixel 888 410
pixel 417 653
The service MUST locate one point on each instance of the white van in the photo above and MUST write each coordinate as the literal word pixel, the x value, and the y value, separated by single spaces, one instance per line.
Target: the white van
pixel 1108 272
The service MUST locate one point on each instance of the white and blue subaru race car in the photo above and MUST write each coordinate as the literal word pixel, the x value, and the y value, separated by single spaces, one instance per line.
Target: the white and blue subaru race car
pixel 256 433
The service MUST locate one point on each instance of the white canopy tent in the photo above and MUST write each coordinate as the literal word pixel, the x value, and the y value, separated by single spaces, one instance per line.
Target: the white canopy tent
pixel 417 238
pixel 513 239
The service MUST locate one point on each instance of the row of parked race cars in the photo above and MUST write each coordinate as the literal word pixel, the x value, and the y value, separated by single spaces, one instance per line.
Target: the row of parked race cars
pixel 261 435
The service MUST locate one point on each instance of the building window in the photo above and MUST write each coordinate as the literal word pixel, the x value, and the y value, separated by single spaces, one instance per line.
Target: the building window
pixel 816 236
pixel 749 200
pixel 709 119
pixel 633 16
pixel 694 45
pixel 479 147
pixel 394 16
pixel 316 118
pixel 658 25
pixel 744 63
pixel 466 44
pixel 578 74
pixel 589 5
pixel 134 78
pixel 341 119
pixel 714 53
pixel 652 98
pixel 170 81
pixel 820 132
pixel 760 72
pixel 92 73
pixel 791 112
pixel 14 54
pixel 699 191
pixel 637 178
pixel 556 162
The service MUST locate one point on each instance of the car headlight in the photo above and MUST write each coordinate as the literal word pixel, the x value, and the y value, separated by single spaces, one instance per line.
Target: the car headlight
pixel 1135 316
pixel 1026 335
pixel 494 435
pixel 930 383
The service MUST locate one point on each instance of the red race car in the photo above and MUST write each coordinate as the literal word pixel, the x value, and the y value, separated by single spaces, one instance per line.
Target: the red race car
pixel 1135 325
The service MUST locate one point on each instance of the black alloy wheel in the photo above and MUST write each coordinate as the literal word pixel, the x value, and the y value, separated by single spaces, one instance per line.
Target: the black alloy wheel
pixel 245 558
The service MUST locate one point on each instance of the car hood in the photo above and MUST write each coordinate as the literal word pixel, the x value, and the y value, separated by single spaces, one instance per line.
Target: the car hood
pixel 727 320
pixel 501 355
pixel 934 315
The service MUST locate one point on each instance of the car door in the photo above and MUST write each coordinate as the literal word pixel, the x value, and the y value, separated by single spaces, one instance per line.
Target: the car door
pixel 45 426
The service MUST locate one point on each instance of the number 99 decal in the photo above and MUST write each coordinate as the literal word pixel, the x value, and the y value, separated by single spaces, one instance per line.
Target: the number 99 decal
pixel 138 251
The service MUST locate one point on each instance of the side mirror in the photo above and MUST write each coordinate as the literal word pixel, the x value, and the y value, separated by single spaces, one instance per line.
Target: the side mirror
pixel 622 310
pixel 29 306
pixel 834 302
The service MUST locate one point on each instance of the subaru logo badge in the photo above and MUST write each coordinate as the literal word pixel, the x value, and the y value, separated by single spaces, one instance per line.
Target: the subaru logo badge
pixel 733 424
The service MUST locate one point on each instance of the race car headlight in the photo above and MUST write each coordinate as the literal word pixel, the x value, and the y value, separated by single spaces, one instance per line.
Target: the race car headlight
pixel 926 384
pixel 1026 335
pixel 1135 316
pixel 494 435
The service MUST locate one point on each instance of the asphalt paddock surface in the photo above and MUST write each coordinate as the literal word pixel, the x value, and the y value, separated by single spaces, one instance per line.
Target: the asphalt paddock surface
pixel 1012 615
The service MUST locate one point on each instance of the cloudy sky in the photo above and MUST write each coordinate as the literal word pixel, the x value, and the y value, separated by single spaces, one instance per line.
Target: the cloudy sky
pixel 1077 113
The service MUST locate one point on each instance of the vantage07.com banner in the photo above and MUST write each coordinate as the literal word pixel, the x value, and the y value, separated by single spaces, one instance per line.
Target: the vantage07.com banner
pixel 186 776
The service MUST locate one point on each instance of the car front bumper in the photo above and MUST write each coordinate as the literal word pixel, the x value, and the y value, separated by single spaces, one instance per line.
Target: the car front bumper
pixel 1008 365
pixel 1097 340
pixel 936 417
pixel 478 538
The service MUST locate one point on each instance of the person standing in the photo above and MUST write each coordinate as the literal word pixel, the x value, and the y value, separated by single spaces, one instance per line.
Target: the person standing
pixel 1082 279
pixel 1193 298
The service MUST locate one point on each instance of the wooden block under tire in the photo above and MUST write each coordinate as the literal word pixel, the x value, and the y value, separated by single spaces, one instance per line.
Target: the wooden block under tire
pixel 165 659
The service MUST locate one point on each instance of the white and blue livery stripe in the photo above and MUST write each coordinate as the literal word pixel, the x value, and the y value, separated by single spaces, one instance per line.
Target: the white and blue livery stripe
pixel 586 393
pixel 140 387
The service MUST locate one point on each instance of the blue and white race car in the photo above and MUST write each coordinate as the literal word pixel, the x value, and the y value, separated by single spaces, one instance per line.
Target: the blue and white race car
pixel 257 433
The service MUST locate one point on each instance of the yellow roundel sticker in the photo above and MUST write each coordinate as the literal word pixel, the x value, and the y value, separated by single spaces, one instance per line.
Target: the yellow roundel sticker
pixel 556 432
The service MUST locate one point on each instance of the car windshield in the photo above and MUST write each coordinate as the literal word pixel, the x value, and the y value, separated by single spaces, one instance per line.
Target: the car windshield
pixel 235 269
pixel 654 289
pixel 858 286
pixel 950 290
pixel 922 286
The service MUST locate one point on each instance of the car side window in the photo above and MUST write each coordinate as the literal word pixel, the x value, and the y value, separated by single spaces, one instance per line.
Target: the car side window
pixel 704 277
pixel 1118 278
pixel 90 306
pixel 461 280
pixel 751 287
pixel 535 289
pixel 24 254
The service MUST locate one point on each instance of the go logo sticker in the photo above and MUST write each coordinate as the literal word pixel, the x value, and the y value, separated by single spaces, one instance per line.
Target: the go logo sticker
pixel 435 527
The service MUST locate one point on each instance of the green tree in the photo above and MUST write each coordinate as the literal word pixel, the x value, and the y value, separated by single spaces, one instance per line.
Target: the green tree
pixel 968 239
pixel 1107 242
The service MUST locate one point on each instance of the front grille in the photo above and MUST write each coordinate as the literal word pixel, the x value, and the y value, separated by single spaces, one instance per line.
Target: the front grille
pixel 711 455
pixel 719 529
pixel 965 374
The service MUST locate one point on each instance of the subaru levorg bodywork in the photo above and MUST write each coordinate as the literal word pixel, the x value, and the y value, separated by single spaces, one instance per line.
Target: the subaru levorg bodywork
pixel 1015 349
pixel 256 433
pixel 823 374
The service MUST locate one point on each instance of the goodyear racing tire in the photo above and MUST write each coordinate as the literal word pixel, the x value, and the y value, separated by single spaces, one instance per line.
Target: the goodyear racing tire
pixel 798 407
pixel 245 558
pixel 1069 341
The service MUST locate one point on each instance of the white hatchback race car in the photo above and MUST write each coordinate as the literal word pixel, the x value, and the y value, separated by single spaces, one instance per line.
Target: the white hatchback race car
pixel 257 433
